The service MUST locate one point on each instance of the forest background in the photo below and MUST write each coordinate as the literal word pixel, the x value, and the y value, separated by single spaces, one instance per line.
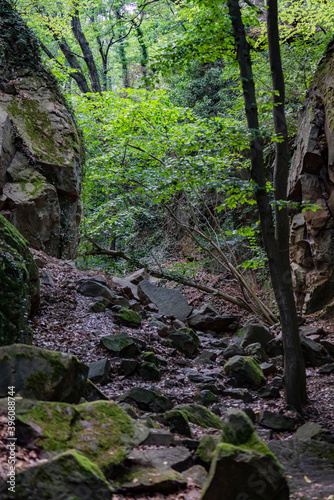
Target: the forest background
pixel 156 90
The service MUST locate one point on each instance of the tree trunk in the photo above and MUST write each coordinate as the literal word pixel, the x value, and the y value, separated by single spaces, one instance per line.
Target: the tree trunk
pixel 144 56
pixel 275 241
pixel 86 52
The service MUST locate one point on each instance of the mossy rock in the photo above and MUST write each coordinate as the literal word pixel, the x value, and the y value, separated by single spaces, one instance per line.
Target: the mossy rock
pixel 149 480
pixel 246 371
pixel 41 374
pixel 128 317
pixel 199 415
pixel 120 344
pixel 149 357
pixel 100 430
pixel 149 371
pixel 206 448
pixel 19 291
pixel 69 475
pixel 239 456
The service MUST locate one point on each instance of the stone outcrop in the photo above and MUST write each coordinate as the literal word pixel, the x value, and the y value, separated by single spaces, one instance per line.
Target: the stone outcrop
pixel 40 147
pixel 19 286
pixel 312 180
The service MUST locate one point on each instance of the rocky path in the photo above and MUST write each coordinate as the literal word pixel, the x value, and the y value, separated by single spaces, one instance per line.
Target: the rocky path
pixel 71 322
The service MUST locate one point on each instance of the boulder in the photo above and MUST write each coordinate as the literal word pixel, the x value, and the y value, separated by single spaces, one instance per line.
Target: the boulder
pixel 314 353
pixel 41 374
pixel 198 415
pixel 243 466
pixel 205 397
pixel 275 421
pixel 309 466
pixel 177 458
pixel 128 317
pixel 126 288
pixel 129 366
pixel 208 319
pixel 99 371
pixel 251 334
pixel 101 430
pixel 19 290
pixel 206 448
pixel 256 351
pixel 147 399
pixel 138 276
pixel 310 430
pixel 246 371
pixel 159 437
pixel 120 344
pixel 150 480
pixel 92 288
pixel 149 371
pixel 68 475
pixel 169 301
pixel 40 145
pixel 185 340
pixel 233 350
pixel 196 475
pixel 93 393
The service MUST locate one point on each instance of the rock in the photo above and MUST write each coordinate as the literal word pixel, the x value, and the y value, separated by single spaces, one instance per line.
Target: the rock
pixel 208 319
pixel 251 334
pixel 120 344
pixel 46 278
pixel 277 382
pixel 185 341
pixel 19 290
pixel 314 354
pixel 128 317
pixel 177 458
pixel 206 357
pixel 97 307
pixel 162 329
pixel 275 421
pixel 149 371
pixel 100 430
pixel 147 399
pixel 199 415
pixel 149 480
pixel 129 366
pixel 268 368
pixel 244 395
pixel 206 448
pixel 41 187
pixel 196 474
pixel 256 351
pixel 309 459
pixel 93 393
pixel 99 371
pixel 310 430
pixel 238 458
pixel 149 357
pixel 126 288
pixel 269 392
pixel 233 350
pixel 138 276
pixel 52 480
pixel 177 422
pixel 199 378
pixel 274 348
pixel 169 301
pixel 205 398
pixel 132 304
pixel 91 288
pixel 327 369
pixel 40 374
pixel 246 371
pixel 159 437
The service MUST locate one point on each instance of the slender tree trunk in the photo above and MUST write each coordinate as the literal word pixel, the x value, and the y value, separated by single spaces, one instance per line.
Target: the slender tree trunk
pixel 278 257
pixel 144 52
pixel 86 52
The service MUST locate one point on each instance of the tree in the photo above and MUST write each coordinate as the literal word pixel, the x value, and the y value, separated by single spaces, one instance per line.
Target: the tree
pixel 275 233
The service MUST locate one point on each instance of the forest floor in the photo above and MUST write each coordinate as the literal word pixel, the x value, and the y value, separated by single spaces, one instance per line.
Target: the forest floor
pixel 64 323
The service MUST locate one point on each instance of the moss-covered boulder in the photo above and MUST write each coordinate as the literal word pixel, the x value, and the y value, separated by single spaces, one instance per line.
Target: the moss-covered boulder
pixel 196 414
pixel 40 145
pixel 19 290
pixel 41 374
pixel 243 466
pixel 246 371
pixel 69 475
pixel 128 317
pixel 100 430
pixel 206 448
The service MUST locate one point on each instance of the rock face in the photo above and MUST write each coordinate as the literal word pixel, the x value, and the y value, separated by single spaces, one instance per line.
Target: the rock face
pixel 312 180
pixel 19 289
pixel 40 148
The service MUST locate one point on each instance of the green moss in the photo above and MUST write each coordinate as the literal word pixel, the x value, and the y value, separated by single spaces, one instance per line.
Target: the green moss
pixel 36 382
pixel 206 448
pixel 87 464
pixel 149 357
pixel 199 415
pixel 128 316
